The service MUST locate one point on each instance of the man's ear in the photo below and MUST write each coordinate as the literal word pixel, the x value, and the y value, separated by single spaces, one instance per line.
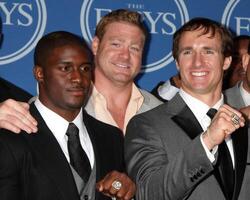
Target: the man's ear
pixel 227 62
pixel 38 73
pixel 95 44
pixel 177 65
pixel 245 61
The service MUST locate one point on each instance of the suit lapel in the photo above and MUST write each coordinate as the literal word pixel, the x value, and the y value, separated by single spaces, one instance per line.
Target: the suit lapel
pixel 187 121
pixel 240 145
pixel 51 159
pixel 88 126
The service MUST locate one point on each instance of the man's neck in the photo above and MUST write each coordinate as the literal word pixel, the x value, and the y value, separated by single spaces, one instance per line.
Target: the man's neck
pixel 67 114
pixel 113 92
pixel 117 97
pixel 209 99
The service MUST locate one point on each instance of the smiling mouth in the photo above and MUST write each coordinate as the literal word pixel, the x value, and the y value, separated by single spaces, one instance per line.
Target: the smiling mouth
pixel 199 74
pixel 124 66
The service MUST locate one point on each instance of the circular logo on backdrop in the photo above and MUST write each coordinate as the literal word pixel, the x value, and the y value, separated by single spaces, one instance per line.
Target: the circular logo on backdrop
pixel 234 17
pixel 161 17
pixel 23 24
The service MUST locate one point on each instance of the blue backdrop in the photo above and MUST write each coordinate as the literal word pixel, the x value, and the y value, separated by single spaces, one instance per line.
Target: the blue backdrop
pixel 25 21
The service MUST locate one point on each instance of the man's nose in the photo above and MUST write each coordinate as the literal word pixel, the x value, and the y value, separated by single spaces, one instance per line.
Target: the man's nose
pixel 125 53
pixel 197 60
pixel 76 76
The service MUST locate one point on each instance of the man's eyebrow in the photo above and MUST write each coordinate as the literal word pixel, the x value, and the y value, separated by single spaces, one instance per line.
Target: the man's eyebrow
pixel 185 48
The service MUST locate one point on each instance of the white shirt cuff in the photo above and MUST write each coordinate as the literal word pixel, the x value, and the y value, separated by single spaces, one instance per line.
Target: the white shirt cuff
pixel 210 154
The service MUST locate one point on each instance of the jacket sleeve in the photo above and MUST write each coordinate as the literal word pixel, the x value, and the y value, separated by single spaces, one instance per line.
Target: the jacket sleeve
pixel 10 188
pixel 159 172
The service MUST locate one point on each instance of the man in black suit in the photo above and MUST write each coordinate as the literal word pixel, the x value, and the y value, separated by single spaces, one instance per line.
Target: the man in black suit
pixel 41 166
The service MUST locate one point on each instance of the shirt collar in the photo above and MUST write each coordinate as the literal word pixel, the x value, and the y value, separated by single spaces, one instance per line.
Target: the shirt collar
pixel 52 120
pixel 135 103
pixel 167 91
pixel 136 94
pixel 198 108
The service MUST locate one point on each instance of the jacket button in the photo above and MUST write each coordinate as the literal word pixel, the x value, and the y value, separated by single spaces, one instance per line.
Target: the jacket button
pixel 85 197
pixel 202 171
pixel 198 174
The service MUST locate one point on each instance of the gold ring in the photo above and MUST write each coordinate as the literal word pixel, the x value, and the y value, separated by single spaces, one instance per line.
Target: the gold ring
pixel 235 119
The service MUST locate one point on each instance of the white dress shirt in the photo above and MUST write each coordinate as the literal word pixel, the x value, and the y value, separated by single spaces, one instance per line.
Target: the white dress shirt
pixel 167 91
pixel 58 126
pixel 245 95
pixel 200 110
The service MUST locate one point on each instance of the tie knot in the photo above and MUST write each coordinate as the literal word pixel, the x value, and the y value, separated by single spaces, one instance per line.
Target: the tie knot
pixel 211 112
pixel 72 130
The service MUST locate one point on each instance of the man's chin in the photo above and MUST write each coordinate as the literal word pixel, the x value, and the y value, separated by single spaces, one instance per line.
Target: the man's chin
pixel 76 105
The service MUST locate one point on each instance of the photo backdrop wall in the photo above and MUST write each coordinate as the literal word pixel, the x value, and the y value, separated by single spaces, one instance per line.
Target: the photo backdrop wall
pixel 25 21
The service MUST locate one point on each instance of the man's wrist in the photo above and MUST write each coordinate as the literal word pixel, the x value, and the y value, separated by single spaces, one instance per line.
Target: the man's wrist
pixel 209 142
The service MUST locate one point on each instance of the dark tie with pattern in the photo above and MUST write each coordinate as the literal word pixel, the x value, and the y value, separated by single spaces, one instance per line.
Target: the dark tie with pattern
pixel 78 158
pixel 224 164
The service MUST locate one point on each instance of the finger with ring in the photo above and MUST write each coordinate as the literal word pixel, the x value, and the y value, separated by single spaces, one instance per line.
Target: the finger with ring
pixel 117 185
pixel 235 119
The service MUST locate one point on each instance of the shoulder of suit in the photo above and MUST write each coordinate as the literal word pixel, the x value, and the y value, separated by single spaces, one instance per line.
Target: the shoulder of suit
pixel 15 143
pixel 230 93
pixel 99 125
pixel 232 90
pixel 169 108
pixel 150 98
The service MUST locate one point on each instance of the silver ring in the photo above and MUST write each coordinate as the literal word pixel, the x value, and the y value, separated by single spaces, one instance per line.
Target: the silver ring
pixel 235 119
pixel 117 185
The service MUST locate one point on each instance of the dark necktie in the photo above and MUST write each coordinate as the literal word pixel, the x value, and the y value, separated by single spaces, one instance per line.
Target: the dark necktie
pixel 78 158
pixel 224 164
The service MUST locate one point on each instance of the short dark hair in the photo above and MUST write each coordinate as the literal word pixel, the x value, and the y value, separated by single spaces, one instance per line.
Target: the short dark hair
pixel 54 40
pixel 237 40
pixel 207 26
pixel 241 37
pixel 120 15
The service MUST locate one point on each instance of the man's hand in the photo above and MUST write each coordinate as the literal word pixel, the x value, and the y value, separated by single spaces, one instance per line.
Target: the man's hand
pixel 15 116
pixel 127 190
pixel 222 126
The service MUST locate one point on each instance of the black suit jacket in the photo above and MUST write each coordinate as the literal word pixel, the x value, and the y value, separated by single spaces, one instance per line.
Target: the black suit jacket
pixel 9 90
pixel 33 167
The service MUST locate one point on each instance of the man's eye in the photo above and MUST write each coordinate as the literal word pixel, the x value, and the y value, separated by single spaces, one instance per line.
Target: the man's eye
pixel 115 44
pixel 186 52
pixel 209 51
pixel 85 68
pixel 136 49
pixel 66 68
